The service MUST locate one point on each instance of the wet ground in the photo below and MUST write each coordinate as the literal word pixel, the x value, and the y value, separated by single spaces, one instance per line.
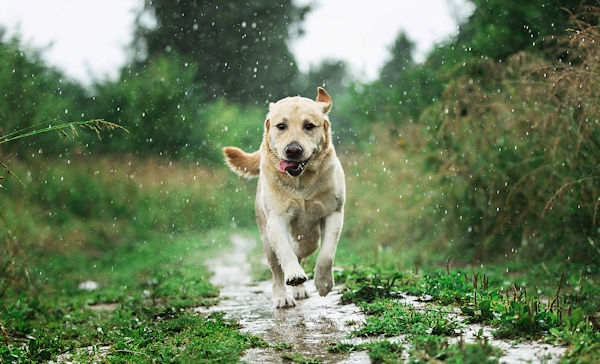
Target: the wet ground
pixel 318 321
pixel 310 327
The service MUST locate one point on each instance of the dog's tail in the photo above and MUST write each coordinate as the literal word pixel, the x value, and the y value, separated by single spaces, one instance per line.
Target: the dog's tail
pixel 242 163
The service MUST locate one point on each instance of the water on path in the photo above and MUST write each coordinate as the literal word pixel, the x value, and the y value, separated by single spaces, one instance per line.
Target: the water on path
pixel 310 327
pixel 318 321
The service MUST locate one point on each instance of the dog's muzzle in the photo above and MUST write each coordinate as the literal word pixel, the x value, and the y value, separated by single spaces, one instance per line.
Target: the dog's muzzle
pixel 293 168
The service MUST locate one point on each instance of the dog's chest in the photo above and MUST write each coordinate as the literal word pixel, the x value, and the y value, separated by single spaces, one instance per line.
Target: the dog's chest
pixel 311 210
pixel 308 209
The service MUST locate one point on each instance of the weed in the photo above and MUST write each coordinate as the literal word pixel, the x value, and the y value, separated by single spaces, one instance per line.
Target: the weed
pixel 512 312
pixel 343 347
pixel 385 352
pixel 392 318
pixel 283 346
pixel 437 349
pixel 297 357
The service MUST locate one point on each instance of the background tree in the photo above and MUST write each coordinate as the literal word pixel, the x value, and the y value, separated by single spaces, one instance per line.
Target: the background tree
pixel 401 60
pixel 332 74
pixel 33 94
pixel 240 48
pixel 499 28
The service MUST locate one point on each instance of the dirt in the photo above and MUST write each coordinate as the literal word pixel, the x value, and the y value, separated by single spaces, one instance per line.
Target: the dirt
pixel 318 321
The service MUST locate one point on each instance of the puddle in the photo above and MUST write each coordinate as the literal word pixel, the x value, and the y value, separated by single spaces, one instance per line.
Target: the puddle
pixel 311 326
pixel 318 321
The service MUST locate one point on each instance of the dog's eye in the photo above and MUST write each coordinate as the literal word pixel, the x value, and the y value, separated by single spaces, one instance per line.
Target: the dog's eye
pixel 309 126
pixel 281 126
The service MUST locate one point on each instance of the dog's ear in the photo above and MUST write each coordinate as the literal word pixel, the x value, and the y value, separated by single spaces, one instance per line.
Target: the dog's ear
pixel 324 100
pixel 267 125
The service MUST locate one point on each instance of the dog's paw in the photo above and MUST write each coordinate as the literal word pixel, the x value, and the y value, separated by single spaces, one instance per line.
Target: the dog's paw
pixel 323 280
pixel 300 292
pixel 284 302
pixel 295 279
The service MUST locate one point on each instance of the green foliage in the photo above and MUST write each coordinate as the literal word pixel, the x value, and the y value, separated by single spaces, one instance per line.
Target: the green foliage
pixel 167 114
pixel 427 326
pixel 498 29
pixel 296 357
pixel 152 283
pixel 428 348
pixel 241 50
pixel 392 318
pixel 518 146
pixel 384 352
pixel 331 74
pixel 401 61
pixel 34 94
pixel 159 104
pixel 72 205
pixel 493 158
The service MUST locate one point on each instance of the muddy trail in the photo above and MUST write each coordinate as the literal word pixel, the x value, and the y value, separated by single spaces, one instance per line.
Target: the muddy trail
pixel 317 322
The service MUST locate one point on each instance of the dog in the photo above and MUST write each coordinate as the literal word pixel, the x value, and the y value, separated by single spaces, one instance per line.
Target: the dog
pixel 300 193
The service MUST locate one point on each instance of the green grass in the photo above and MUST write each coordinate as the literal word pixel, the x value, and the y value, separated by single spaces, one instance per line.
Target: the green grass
pixel 491 298
pixel 296 357
pixel 154 284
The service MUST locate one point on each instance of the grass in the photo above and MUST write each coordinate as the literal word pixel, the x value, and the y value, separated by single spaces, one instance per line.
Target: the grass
pixel 484 296
pixel 503 168
pixel 141 230
pixel 296 357
pixel 153 284
pixel 128 226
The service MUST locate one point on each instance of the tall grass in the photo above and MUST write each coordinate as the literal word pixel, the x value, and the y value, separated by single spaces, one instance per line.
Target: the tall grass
pixel 519 150
pixel 70 208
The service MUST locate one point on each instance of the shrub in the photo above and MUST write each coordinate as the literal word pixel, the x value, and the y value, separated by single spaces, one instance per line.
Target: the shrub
pixel 518 149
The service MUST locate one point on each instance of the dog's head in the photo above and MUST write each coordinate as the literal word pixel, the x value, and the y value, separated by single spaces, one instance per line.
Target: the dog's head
pixel 297 131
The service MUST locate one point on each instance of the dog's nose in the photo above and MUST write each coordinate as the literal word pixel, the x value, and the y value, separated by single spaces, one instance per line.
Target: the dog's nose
pixel 293 151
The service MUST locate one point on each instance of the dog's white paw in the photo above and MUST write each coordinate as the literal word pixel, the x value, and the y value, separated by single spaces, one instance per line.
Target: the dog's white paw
pixel 284 302
pixel 295 278
pixel 300 292
pixel 323 279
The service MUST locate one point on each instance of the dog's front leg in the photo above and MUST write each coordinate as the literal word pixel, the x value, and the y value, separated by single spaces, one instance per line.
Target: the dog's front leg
pixel 281 241
pixel 323 269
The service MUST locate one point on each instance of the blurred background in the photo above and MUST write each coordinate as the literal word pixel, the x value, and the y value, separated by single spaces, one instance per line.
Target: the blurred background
pixel 467 128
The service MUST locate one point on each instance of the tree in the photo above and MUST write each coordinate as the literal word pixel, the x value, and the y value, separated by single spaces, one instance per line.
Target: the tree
pixel 330 74
pixel 401 60
pixel 240 48
pixel 34 93
pixel 499 28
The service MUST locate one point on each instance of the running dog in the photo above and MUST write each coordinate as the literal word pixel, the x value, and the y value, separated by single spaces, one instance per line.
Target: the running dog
pixel 300 194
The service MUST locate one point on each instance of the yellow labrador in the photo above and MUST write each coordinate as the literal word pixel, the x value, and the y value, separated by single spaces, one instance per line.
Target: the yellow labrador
pixel 300 195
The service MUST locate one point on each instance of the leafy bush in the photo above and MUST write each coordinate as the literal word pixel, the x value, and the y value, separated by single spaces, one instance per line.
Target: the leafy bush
pixel 168 115
pixel 518 151
pixel 33 93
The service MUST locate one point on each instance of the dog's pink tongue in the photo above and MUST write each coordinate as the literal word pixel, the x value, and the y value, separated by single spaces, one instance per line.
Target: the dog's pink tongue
pixel 285 165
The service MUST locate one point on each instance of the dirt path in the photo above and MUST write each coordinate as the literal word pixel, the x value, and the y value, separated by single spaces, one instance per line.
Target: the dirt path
pixel 317 321
pixel 310 326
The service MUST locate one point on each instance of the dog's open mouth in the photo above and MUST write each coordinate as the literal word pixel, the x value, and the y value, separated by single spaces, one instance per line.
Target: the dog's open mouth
pixel 292 168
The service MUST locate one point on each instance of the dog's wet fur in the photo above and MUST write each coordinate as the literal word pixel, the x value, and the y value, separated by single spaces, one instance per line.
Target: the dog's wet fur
pixel 300 195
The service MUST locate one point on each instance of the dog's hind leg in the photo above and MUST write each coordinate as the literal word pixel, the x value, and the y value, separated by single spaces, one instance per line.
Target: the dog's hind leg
pixel 281 298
